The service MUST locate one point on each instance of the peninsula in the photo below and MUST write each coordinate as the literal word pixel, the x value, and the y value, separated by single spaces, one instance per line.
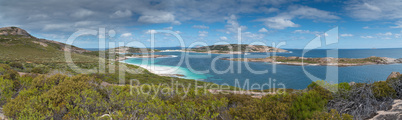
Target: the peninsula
pixel 235 49
pixel 326 61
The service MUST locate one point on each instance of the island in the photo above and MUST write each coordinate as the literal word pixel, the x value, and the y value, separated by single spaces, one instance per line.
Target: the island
pixel 326 61
pixel 125 49
pixel 235 49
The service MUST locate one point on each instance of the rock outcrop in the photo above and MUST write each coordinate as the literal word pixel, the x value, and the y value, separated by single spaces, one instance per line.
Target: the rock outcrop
pixel 7 32
pixel 14 31
pixel 393 75
pixel 393 114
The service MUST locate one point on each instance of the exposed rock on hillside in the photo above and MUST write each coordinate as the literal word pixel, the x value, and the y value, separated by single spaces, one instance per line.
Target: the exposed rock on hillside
pixel 393 75
pixel 14 31
pixel 10 36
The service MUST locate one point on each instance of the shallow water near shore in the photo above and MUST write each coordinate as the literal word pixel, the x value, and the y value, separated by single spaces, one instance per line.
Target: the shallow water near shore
pixel 236 73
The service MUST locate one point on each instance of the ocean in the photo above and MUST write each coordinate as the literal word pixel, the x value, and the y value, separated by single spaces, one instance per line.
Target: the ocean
pixel 200 66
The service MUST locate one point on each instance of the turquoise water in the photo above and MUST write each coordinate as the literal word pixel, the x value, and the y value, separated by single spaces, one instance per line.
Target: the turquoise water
pixel 143 62
pixel 199 66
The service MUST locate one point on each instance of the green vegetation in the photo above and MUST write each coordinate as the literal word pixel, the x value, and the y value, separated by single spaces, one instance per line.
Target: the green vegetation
pixel 305 105
pixel 382 90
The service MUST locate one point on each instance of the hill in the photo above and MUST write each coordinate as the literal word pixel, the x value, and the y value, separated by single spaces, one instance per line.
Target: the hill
pixel 18 45
pixel 236 49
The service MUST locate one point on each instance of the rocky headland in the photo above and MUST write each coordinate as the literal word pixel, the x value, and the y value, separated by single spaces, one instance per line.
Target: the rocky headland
pixel 235 49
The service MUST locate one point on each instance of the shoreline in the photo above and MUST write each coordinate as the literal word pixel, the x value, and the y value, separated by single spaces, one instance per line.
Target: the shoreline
pixel 159 70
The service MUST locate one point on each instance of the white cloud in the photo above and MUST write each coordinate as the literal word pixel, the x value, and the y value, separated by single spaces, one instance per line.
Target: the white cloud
pixel 306 32
pixel 223 38
pixel 126 35
pixel 263 30
pixel 38 17
pixel 168 28
pixel 150 31
pixel 157 17
pixel 367 37
pixel 176 22
pixel 366 27
pixel 283 20
pixel 201 26
pixel 398 24
pixel 347 35
pixel 202 33
pixel 82 13
pixel 278 23
pixel 85 23
pixel 252 36
pixel 374 9
pixel 178 32
pixel 385 34
pixel 233 25
pixel 386 38
pixel 56 26
pixel 120 14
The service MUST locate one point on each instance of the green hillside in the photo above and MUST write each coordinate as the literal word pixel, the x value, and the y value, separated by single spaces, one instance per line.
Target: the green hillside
pixel 29 49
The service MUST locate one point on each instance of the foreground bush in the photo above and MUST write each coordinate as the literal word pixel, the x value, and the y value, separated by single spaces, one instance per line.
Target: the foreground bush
pixel 6 90
pixel 381 90
pixel 332 115
pixel 17 65
pixel 305 105
pixel 7 73
pixel 269 107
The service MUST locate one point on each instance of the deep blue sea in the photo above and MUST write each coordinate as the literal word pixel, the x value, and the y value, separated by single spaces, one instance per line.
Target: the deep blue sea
pixel 193 65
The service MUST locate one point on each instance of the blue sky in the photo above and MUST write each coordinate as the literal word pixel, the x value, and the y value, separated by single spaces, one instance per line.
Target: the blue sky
pixel 361 23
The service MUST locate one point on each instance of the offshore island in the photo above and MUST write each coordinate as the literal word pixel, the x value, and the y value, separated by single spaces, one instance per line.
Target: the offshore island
pixel 326 61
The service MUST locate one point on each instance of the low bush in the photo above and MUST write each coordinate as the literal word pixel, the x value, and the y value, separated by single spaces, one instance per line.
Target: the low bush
pixel 305 105
pixel 382 90
pixel 39 70
pixel 16 65
pixel 7 73
pixel 332 115
pixel 319 85
pixel 6 90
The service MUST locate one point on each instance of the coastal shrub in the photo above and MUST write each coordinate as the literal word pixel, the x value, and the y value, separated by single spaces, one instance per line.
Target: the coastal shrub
pixel 382 90
pixel 305 105
pixel 7 73
pixel 16 65
pixel 39 70
pixel 332 115
pixel 344 86
pixel 268 107
pixel 6 90
pixel 318 87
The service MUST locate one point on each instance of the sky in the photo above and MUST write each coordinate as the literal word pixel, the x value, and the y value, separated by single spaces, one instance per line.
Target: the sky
pixel 288 23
